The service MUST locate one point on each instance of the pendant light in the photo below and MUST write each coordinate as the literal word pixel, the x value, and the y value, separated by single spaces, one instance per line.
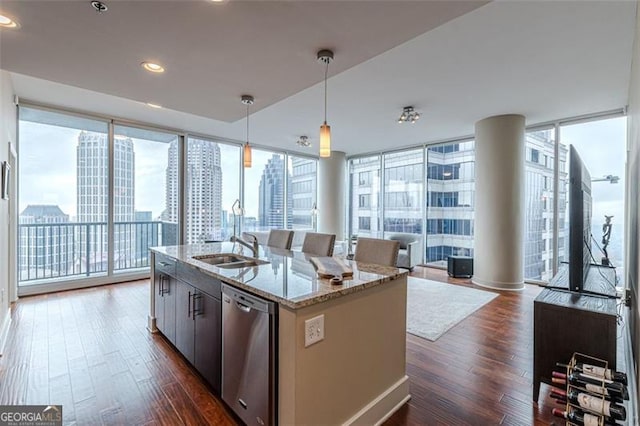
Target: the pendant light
pixel 325 56
pixel 247 100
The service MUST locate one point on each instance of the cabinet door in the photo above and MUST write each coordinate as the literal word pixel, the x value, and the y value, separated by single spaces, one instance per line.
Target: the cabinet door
pixel 185 324
pixel 208 347
pixel 170 289
pixel 158 282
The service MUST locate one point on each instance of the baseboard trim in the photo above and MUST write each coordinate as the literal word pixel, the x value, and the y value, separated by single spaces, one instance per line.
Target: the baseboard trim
pixel 381 408
pixel 497 285
pixel 4 331
pixel 151 324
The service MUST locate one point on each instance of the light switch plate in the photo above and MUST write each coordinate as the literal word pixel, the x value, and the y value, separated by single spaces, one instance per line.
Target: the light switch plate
pixel 313 330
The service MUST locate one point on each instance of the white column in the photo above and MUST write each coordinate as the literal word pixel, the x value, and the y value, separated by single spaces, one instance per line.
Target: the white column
pixel 499 202
pixel 331 194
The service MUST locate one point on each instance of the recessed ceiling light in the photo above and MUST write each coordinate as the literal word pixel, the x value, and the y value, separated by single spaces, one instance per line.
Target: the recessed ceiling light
pixel 152 67
pixel 154 105
pixel 6 22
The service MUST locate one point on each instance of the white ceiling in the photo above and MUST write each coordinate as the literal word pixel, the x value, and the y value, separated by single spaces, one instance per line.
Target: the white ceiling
pixel 546 60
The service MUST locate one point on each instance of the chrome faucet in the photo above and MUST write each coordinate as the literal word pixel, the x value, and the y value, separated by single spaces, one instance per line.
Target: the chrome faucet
pixel 251 246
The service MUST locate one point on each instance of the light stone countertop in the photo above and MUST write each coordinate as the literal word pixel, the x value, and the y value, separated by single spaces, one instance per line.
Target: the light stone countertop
pixel 288 279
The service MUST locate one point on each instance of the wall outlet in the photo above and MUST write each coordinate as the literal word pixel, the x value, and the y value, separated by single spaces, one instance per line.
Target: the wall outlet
pixel 313 330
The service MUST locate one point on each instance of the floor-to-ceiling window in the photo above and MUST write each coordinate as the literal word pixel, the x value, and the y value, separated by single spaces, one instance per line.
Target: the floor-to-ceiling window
pixel 96 194
pixel 364 198
pixel 264 192
pixel 63 196
pixel 143 192
pixel 601 145
pixel 212 184
pixel 303 192
pixel 450 177
pixel 404 192
pixel 539 203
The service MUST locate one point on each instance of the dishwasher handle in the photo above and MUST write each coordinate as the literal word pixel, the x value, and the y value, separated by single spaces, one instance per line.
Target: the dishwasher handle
pixel 243 308
pixel 246 301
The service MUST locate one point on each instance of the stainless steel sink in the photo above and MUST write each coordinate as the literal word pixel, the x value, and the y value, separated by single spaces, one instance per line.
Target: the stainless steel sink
pixel 229 260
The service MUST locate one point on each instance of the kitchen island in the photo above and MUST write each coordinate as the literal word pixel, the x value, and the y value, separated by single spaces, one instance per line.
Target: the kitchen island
pixel 354 375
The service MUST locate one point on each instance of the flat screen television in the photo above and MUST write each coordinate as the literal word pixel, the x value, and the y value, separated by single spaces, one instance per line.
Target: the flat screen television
pixel 579 221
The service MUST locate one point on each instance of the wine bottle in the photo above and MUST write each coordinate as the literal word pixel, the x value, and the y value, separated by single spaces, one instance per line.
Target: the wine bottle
pixel 597 405
pixel 562 394
pixel 603 373
pixel 583 419
pixel 558 375
pixel 562 402
pixel 558 394
pixel 599 386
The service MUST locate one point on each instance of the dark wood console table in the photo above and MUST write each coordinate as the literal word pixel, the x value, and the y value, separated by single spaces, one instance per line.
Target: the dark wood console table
pixel 565 322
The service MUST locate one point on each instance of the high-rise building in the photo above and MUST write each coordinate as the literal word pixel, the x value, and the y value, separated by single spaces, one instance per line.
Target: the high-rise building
pixel 450 192
pixel 146 235
pixel 450 201
pixel 271 195
pixel 539 204
pixel 203 196
pixel 93 197
pixel 46 242
pixel 303 191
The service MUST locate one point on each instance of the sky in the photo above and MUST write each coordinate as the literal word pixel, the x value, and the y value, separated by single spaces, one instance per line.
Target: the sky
pixel 48 171
pixel 602 148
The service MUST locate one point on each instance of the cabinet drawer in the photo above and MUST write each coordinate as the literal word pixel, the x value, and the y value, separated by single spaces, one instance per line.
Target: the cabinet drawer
pixel 165 265
pixel 199 280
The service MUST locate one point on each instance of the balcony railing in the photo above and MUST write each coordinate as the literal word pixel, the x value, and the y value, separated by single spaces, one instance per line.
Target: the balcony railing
pixel 53 251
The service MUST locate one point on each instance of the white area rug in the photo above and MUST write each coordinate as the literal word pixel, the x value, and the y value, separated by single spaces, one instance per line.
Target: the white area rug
pixel 434 307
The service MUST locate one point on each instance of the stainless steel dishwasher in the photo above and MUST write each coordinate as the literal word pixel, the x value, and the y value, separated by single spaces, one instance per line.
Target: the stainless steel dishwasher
pixel 248 356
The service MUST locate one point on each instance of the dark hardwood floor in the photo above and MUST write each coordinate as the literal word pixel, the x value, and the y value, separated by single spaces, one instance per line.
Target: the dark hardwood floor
pixel 89 350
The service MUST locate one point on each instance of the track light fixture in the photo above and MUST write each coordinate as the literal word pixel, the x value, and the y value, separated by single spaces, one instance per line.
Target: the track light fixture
pixel 303 142
pixel 409 115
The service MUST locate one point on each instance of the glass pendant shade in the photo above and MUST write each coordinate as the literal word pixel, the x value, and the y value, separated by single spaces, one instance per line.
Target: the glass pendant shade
pixel 325 140
pixel 247 155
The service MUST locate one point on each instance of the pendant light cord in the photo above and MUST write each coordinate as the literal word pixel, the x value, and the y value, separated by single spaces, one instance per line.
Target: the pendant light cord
pixel 247 124
pixel 326 70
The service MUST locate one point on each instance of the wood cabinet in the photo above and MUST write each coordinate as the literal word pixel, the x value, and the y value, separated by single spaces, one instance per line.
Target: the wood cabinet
pixel 198 322
pixel 208 338
pixel 189 314
pixel 185 324
pixel 565 322
pixel 164 283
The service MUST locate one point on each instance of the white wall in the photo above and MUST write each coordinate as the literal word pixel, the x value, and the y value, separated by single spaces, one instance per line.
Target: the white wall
pixel 633 194
pixel 7 134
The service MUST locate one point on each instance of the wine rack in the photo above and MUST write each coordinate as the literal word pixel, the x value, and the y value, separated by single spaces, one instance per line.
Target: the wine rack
pixel 593 393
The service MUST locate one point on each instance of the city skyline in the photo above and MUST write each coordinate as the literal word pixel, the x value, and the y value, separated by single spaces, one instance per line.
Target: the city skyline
pixel 45 176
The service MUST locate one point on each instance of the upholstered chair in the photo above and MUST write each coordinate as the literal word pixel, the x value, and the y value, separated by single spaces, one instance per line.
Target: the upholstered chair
pixel 410 253
pixel 318 244
pixel 380 252
pixel 280 238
